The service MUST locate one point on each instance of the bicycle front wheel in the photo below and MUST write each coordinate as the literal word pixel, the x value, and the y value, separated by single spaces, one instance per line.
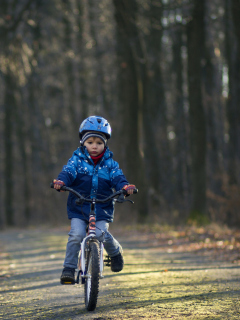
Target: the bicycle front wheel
pixel 91 286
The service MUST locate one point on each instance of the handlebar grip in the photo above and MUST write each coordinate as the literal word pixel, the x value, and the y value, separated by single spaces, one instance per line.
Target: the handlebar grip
pixel 62 188
pixel 126 194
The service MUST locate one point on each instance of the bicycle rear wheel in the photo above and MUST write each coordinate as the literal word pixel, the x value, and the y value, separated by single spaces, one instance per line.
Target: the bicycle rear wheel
pixel 91 286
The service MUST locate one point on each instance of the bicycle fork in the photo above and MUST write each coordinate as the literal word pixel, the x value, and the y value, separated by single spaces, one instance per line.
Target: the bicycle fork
pixel 82 259
pixel 85 247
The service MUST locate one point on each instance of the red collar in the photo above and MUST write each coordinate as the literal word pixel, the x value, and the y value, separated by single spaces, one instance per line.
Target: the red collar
pixel 97 158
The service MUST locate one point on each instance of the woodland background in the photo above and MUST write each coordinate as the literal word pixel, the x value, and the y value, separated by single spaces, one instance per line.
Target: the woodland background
pixel 166 74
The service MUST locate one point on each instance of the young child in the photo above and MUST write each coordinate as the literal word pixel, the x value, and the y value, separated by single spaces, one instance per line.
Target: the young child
pixel 91 171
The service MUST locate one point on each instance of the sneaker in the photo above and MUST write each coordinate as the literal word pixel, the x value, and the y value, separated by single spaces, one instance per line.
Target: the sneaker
pixel 68 276
pixel 117 262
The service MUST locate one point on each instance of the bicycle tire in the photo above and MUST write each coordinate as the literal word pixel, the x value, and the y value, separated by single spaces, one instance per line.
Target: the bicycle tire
pixel 91 286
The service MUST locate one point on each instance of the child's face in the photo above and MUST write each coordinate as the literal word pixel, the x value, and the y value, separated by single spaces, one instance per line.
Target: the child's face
pixel 94 145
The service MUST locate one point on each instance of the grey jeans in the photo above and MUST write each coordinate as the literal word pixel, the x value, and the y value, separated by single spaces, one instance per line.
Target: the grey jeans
pixel 78 232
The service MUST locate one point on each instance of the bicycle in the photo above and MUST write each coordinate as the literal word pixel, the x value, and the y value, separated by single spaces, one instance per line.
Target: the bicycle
pixel 90 260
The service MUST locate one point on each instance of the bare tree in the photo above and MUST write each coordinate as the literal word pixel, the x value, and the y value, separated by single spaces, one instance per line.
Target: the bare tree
pixel 195 44
pixel 132 77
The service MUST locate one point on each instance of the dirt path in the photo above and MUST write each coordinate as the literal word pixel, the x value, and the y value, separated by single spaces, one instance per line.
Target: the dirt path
pixel 164 277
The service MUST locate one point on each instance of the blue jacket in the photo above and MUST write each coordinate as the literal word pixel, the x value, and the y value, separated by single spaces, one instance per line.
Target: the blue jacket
pixel 81 175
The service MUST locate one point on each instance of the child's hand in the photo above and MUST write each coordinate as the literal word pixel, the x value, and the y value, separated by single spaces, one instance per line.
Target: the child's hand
pixel 58 184
pixel 129 188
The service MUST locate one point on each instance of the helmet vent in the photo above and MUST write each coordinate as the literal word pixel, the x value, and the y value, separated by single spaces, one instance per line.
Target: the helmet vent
pixel 99 120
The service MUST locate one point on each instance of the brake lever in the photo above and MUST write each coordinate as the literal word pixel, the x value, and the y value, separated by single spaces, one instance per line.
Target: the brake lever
pixel 129 201
pixel 121 199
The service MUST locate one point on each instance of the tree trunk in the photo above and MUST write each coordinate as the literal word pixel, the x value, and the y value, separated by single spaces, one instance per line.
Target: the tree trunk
pixel 79 4
pixel 181 125
pixel 9 105
pixel 233 100
pixel 154 111
pixel 213 101
pixel 132 75
pixel 195 44
pixel 22 138
pixel 101 95
pixel 70 65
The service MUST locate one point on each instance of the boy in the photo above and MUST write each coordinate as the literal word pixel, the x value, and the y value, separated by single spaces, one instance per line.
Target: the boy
pixel 91 171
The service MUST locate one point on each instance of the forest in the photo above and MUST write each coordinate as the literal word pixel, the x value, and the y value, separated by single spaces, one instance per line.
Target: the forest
pixel 164 73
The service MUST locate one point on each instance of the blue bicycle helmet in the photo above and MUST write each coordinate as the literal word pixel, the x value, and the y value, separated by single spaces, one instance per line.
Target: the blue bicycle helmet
pixel 94 123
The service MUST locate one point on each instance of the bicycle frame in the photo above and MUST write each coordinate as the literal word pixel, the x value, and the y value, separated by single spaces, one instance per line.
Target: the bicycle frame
pixel 90 237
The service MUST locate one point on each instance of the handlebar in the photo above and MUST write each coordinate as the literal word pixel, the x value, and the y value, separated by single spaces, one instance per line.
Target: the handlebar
pixel 83 199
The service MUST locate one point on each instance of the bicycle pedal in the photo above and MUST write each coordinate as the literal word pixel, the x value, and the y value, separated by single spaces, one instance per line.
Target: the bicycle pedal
pixel 107 261
pixel 67 282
